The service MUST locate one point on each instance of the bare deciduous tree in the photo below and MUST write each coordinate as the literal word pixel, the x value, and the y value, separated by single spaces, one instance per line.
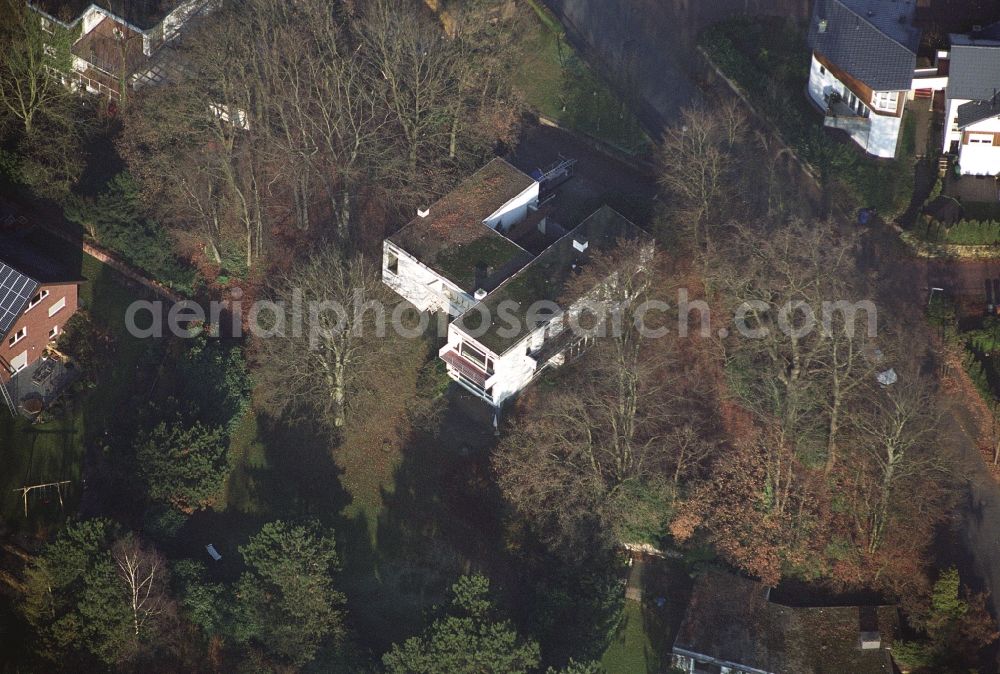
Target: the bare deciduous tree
pixel 590 453
pixel 143 572
pixel 697 162
pixel 342 351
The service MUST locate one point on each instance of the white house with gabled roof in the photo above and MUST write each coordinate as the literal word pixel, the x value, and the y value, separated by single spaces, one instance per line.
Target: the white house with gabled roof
pixel 117 43
pixel 864 55
pixel 972 110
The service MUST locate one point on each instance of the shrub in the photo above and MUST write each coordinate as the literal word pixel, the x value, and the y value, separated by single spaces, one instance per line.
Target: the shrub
pixel 962 233
pixel 115 220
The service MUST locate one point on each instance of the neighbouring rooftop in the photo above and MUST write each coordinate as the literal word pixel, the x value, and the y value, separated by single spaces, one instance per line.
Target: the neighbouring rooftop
pixel 454 241
pixel 16 290
pixel 143 14
pixel 102 48
pixel 546 278
pixel 976 111
pixel 874 41
pixel 19 252
pixel 974 70
pixel 730 619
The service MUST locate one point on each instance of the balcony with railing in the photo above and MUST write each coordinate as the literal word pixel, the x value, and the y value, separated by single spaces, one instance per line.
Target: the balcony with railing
pixel 464 366
pixel 839 115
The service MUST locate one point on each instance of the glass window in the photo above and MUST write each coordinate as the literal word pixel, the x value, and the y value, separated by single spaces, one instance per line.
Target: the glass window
pixel 38 298
pixel 18 336
pixel 885 100
pixel 478 357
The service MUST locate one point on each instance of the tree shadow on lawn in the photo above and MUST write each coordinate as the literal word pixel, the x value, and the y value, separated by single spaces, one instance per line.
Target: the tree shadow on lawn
pixel 440 520
pixel 298 480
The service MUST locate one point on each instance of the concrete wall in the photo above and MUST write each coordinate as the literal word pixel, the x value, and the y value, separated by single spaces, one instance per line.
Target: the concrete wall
pixel 514 210
pixel 884 136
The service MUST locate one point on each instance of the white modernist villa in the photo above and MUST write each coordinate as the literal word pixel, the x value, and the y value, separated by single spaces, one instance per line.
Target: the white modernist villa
pixel 461 257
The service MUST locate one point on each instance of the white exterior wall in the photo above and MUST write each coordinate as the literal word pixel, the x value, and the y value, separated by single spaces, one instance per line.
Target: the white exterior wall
pixel 884 135
pixel 516 368
pixel 879 136
pixel 512 372
pixel 514 210
pixel 822 84
pixel 951 130
pixel 422 287
pixel 176 19
pixel 981 158
pixel 686 662
pixel 93 16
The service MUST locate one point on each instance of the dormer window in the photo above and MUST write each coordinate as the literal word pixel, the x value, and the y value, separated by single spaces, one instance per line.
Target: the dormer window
pixel 39 296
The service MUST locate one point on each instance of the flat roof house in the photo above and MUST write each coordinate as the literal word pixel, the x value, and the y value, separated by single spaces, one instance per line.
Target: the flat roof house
pixel 731 627
pixel 864 56
pixel 461 257
pixel 458 247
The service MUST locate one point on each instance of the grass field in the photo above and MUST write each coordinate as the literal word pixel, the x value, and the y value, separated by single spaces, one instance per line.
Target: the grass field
pixel 32 454
pixel 649 625
pixel 410 509
pixel 556 83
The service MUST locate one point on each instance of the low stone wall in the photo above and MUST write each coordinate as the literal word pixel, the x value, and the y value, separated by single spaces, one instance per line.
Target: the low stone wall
pixel 131 273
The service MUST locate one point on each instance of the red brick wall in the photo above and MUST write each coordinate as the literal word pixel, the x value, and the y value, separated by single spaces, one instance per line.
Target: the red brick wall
pixel 38 323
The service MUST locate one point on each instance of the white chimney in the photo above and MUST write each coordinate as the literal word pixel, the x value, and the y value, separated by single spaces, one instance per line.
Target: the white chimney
pixel 871 641
pixel 580 245
pixel 480 295
pixel 423 212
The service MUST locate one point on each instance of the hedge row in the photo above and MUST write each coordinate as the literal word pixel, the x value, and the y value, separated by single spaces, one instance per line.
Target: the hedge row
pixel 962 233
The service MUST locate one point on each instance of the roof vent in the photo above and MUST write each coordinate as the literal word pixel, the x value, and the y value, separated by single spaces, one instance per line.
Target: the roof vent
pixel 480 295
pixel 423 212
pixel 822 25
pixel 580 244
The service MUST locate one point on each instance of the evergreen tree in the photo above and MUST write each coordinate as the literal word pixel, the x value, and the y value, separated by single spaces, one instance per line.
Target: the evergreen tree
pixel 286 601
pixel 471 639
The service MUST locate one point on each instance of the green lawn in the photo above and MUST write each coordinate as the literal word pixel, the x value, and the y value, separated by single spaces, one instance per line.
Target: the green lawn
pixel 649 626
pixel 558 84
pixel 632 651
pixel 53 451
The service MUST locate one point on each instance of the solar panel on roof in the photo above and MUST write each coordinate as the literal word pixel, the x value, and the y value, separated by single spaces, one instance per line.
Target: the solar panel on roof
pixel 16 290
